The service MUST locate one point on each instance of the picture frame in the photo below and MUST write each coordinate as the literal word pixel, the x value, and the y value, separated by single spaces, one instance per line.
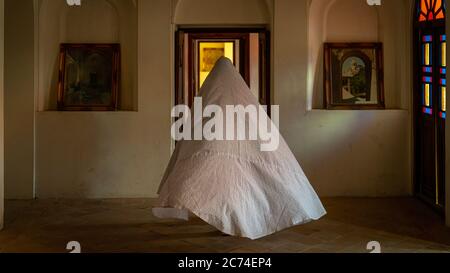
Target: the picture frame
pixel 89 77
pixel 353 76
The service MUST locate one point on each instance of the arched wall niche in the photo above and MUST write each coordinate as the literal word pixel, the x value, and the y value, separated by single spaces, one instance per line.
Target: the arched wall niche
pixel 355 21
pixel 95 21
pixel 219 12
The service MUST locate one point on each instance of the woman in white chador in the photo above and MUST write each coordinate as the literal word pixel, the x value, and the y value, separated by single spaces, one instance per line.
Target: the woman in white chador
pixel 232 184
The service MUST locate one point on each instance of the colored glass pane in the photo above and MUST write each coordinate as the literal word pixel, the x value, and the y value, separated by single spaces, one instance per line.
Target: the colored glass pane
pixel 443 99
pixel 428 70
pixel 428 111
pixel 427 38
pixel 430 10
pixel 427 79
pixel 427 95
pixel 427 54
pixel 444 54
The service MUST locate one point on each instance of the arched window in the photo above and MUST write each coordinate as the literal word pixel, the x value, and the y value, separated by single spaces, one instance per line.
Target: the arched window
pixel 430 99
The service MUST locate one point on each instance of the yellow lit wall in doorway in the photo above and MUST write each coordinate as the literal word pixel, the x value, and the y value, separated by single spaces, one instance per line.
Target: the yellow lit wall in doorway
pixel 209 53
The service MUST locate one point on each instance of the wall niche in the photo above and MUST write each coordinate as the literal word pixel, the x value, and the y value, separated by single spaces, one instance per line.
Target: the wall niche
pixel 95 21
pixel 354 21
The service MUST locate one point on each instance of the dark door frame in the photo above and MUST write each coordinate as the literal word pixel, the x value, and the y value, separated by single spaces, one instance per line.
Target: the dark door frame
pixel 226 33
pixel 418 117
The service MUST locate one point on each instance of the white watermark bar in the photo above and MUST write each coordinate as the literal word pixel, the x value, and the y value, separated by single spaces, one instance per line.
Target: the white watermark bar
pixel 374 2
pixel 73 2
pixel 239 122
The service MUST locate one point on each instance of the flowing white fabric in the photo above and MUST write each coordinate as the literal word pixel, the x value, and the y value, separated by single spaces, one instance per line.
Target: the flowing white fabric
pixel 232 185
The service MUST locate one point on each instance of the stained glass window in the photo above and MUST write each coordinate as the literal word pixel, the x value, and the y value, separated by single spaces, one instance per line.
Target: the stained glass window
pixel 433 56
pixel 430 92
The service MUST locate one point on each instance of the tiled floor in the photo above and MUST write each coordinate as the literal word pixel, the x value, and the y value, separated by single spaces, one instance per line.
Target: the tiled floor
pixel 399 224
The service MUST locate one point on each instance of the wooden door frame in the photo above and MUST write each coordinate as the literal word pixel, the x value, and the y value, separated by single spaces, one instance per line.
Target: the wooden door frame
pixel 264 52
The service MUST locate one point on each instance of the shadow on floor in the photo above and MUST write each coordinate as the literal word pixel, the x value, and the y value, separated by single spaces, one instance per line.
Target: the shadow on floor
pixel 403 216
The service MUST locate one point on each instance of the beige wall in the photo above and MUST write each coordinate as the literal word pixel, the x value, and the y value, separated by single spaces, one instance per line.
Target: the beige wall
pixel 19 99
pixel 219 12
pixel 1 115
pixel 124 154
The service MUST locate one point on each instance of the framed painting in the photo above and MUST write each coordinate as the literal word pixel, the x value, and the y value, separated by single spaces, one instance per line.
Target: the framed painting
pixel 353 76
pixel 89 77
pixel 207 53
pixel 210 56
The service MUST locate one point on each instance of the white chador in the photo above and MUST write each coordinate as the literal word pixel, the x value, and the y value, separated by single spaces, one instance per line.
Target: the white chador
pixel 232 184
